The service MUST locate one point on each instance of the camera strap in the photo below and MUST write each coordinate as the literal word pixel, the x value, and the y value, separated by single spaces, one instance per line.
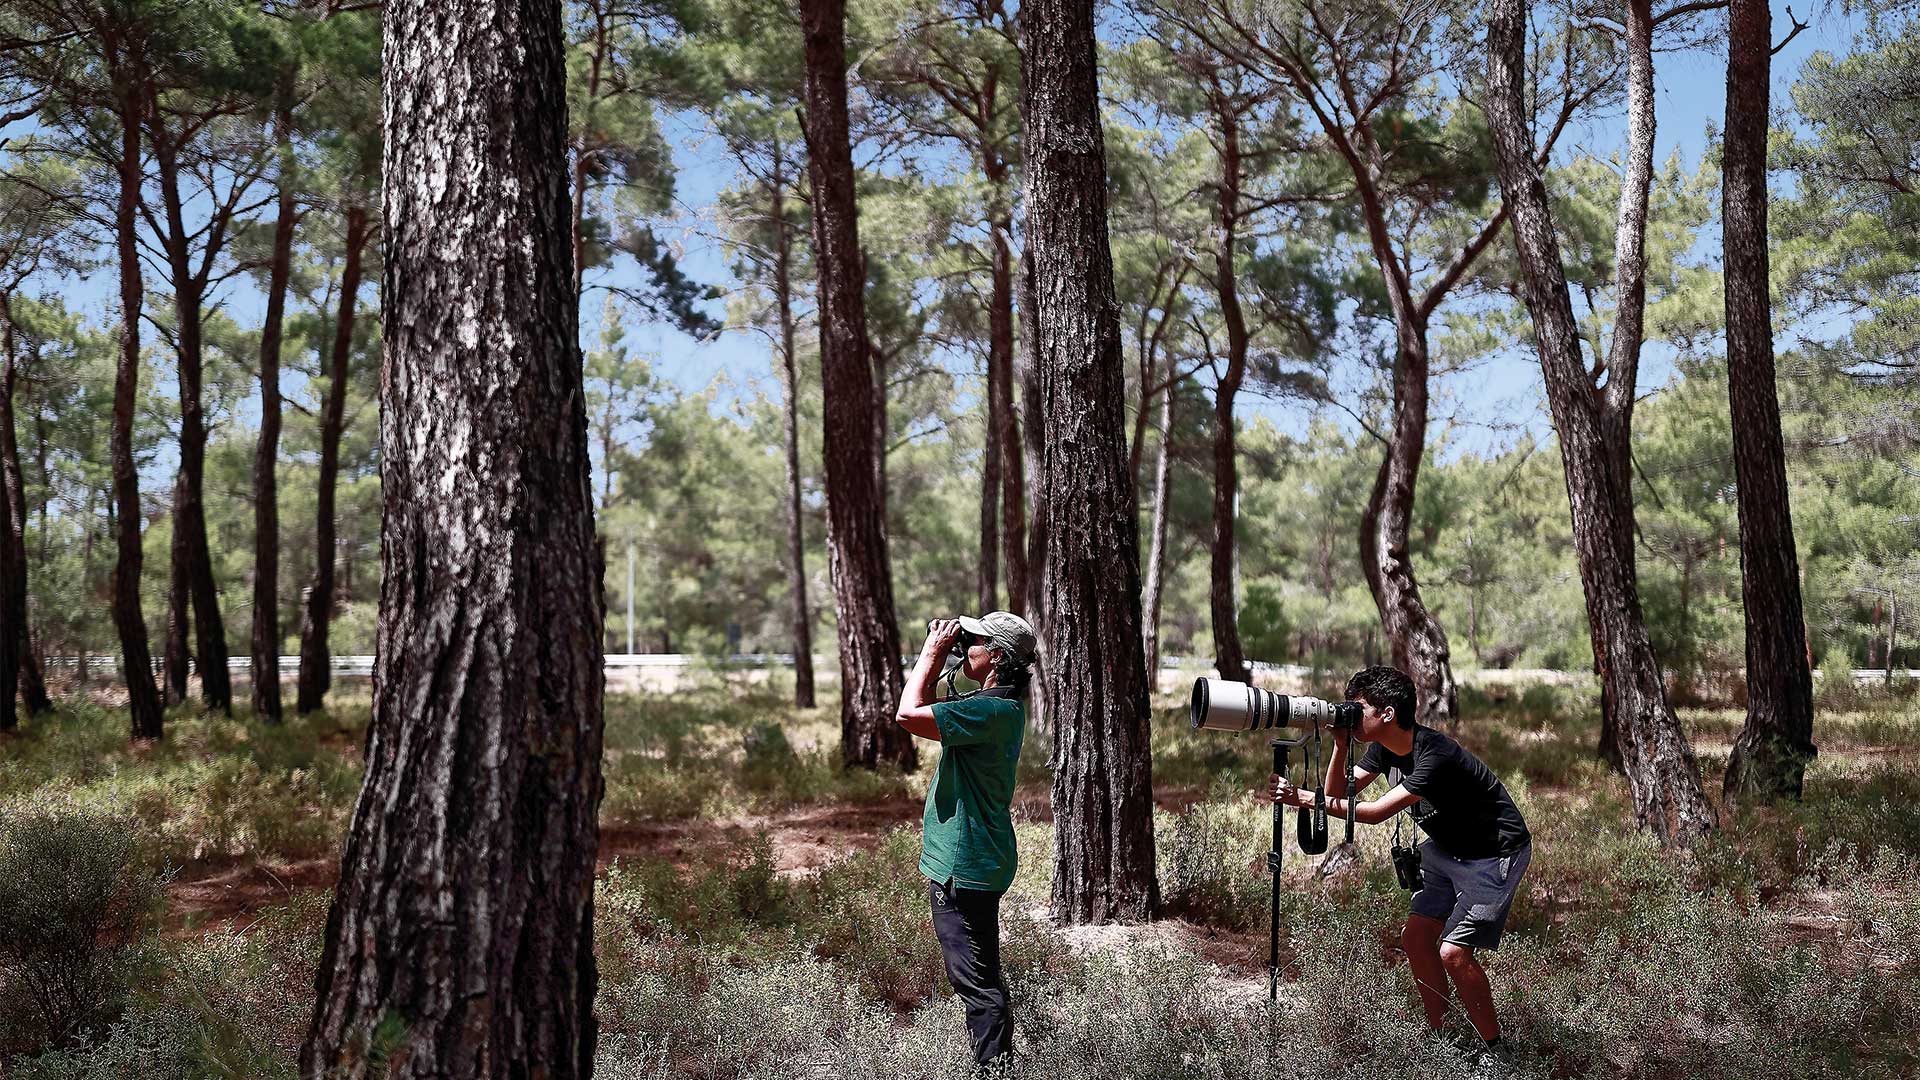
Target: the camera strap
pixel 1312 824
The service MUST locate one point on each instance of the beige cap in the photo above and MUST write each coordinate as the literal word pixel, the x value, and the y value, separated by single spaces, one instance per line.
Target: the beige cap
pixel 1005 631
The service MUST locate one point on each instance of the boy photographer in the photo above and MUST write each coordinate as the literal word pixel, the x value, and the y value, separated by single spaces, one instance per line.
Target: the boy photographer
pixel 967 850
pixel 1477 849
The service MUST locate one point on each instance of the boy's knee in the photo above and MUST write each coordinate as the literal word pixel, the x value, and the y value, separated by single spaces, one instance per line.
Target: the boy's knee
pixel 1456 957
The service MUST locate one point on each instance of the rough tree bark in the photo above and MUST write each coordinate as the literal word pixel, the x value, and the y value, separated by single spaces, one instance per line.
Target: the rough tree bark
pixel 1620 368
pixel 1034 445
pixel 460 942
pixel 870 678
pixel 265 639
pixel 803 692
pixel 1096 675
pixel 189 517
pixel 136 662
pixel 316 659
pixel 1416 643
pixel 1229 659
pixel 1771 755
pixel 1659 763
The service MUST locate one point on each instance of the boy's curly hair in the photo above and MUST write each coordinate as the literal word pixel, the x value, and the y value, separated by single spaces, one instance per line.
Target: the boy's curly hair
pixel 1381 686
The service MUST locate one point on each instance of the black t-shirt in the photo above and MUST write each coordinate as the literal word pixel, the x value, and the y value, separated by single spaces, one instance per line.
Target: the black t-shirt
pixel 1463 806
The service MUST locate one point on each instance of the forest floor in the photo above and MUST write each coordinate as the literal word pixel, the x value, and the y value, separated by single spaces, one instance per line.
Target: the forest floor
pixel 745 875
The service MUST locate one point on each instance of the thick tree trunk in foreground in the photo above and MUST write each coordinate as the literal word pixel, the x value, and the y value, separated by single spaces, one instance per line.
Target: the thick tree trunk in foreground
pixel 189 512
pixel 460 943
pixel 1771 755
pixel 266 508
pixel 316 658
pixel 136 661
pixel 1659 763
pixel 1096 674
pixel 803 694
pixel 870 677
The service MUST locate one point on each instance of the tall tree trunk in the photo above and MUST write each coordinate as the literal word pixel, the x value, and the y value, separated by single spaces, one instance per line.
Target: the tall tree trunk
pixel 1157 558
pixel 1615 413
pixel 316 659
pixel 803 694
pixel 870 678
pixel 987 574
pixel 1416 643
pixel 12 571
pixel 1229 659
pixel 266 509
pixel 1034 445
pixel 1893 628
pixel 190 518
pixel 175 652
pixel 1006 421
pixel 1096 677
pixel 461 935
pixel 1659 763
pixel 136 661
pixel 32 685
pixel 583 154
pixel 1771 755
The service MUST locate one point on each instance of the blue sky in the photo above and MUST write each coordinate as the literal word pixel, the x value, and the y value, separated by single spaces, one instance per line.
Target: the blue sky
pixel 1486 406
pixel 1484 403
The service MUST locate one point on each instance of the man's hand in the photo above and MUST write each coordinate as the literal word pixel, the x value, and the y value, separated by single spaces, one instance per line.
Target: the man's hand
pixel 940 637
pixel 1281 790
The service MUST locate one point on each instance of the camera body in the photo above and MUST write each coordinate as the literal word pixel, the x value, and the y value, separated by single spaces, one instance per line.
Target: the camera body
pixel 1406 867
pixel 1225 705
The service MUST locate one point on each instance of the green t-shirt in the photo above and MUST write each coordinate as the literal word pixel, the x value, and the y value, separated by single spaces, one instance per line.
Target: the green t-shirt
pixel 967 833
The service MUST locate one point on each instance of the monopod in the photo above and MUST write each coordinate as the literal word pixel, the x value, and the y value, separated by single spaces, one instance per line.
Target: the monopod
pixel 1280 750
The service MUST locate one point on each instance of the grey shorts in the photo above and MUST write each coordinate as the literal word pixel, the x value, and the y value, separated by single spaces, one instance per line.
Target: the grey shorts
pixel 1470 896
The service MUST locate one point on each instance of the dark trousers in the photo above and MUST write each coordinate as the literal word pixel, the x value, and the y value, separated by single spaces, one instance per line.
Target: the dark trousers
pixel 967 922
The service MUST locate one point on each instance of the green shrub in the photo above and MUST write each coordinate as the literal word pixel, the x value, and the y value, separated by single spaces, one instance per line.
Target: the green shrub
pixel 758 893
pixel 76 895
pixel 868 914
pixel 1212 867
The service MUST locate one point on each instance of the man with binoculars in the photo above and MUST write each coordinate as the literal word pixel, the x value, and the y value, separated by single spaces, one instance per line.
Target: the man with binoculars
pixel 967 849
pixel 1477 849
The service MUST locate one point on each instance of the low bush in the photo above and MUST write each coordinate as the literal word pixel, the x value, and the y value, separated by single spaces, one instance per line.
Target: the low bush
pixel 77 894
pixel 1212 859
pixel 224 1006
